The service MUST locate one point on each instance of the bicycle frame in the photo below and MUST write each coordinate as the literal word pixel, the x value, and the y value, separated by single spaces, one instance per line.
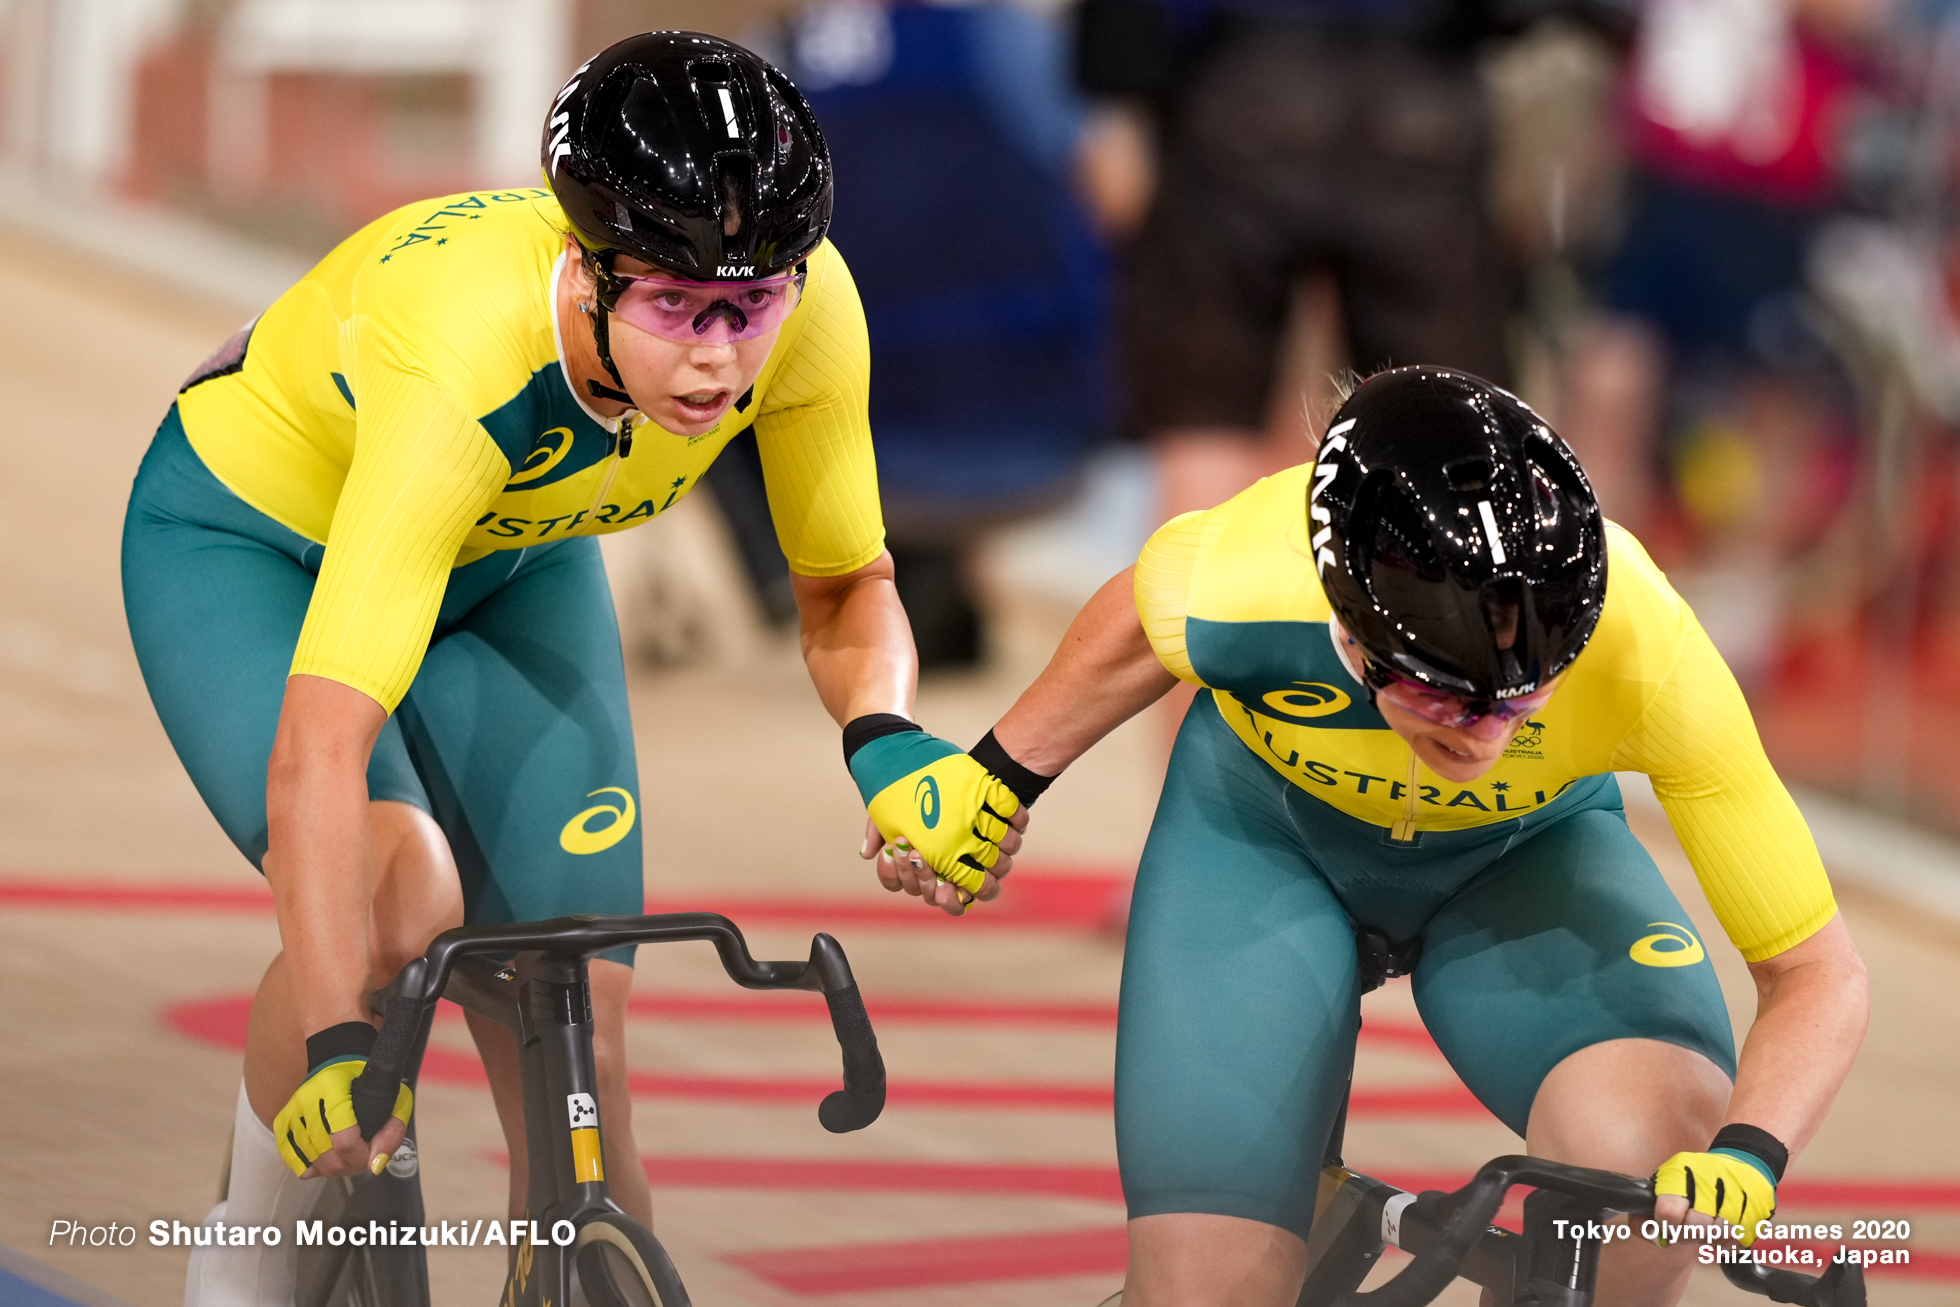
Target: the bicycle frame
pixel 542 994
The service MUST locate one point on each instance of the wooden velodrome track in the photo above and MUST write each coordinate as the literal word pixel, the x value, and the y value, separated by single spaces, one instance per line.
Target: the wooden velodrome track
pixel 131 935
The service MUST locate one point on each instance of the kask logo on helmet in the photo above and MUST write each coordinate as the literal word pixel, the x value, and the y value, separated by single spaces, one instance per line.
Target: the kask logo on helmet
pixel 558 142
pixel 1324 472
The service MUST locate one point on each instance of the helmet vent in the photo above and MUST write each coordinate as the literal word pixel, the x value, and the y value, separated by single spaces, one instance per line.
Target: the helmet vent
pixel 732 205
pixel 1468 476
pixel 1502 601
pixel 1544 499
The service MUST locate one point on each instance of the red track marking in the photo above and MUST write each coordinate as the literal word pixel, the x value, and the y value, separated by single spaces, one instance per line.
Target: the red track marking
pixel 1058 899
pixel 795 1005
pixel 221 1021
pixel 854 1176
pixel 916 1263
pixel 850 1175
pixel 80 895
pixel 1870 1197
pixel 1923 1266
pixel 449 1066
pixel 1100 1183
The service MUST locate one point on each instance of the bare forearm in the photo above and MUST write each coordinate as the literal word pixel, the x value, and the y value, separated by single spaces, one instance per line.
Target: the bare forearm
pixel 1103 674
pixel 1810 1019
pixel 858 645
pixel 318 858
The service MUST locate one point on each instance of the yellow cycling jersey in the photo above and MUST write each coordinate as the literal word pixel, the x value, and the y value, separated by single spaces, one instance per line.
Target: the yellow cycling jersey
pixel 1230 600
pixel 406 406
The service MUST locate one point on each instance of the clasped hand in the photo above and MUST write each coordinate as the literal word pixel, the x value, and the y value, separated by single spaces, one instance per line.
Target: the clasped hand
pixel 900 867
pixel 940 825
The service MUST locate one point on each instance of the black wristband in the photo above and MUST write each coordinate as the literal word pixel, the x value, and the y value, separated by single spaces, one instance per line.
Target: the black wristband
pixel 1027 785
pixel 356 1037
pixel 860 731
pixel 1757 1143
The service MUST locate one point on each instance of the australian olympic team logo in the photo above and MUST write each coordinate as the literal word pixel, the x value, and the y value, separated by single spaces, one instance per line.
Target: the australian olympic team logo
pixel 1324 471
pixel 580 836
pixel 1530 737
pixel 927 795
pixel 1674 947
pixel 1304 700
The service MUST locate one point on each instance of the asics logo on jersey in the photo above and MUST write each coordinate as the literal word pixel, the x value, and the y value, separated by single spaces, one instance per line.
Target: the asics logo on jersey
pixel 1307 699
pixel 1324 472
pixel 1667 948
pixel 552 447
pixel 579 835
pixel 927 797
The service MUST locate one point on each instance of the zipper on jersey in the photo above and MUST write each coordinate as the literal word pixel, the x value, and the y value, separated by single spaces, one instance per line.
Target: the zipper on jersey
pixel 622 448
pixel 1404 831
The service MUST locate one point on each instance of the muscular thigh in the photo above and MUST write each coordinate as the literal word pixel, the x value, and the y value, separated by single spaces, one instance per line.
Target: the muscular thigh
pixel 215 593
pixel 518 728
pixel 1239 1006
pixel 1568 940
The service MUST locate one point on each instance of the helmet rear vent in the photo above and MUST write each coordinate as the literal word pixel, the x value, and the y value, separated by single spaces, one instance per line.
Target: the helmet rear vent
pixel 733 202
pixel 1502 602
pixel 1468 476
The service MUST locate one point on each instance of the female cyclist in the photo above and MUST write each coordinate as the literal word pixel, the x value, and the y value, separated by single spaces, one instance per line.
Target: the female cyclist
pixel 1421 658
pixel 362 583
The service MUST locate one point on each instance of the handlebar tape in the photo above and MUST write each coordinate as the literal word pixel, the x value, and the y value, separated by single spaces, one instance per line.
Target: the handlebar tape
pixel 374 1091
pixel 1435 1267
pixel 862 1098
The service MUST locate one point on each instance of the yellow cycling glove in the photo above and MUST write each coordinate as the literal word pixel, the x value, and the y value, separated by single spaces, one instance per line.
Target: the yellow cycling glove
pixel 931 794
pixel 1734 1181
pixel 324 1105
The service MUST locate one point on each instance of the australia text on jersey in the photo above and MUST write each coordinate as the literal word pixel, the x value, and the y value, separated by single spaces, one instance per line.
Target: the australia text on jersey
pixel 1502 798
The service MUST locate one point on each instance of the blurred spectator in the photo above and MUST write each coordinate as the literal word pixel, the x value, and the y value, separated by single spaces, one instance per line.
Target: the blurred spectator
pixel 954 135
pixel 1347 138
pixel 1711 373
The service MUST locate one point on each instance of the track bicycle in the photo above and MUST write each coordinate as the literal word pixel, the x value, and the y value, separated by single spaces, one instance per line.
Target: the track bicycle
pixel 532 978
pixel 1552 1262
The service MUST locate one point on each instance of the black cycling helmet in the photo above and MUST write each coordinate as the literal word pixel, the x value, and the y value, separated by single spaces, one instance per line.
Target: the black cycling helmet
pixel 691 153
pixel 1457 539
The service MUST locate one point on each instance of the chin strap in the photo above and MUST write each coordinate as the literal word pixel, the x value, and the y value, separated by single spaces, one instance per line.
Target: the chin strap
pixel 601 337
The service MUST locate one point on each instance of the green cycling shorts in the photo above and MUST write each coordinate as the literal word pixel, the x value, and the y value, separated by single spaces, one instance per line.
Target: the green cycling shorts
pixel 1240 1004
pixel 515 736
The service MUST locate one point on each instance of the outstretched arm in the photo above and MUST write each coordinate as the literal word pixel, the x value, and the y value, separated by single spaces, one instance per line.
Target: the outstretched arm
pixel 1103 674
pixel 856 641
pixel 1811 1008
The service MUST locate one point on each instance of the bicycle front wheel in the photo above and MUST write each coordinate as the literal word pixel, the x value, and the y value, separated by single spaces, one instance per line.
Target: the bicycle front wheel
pixel 616 1262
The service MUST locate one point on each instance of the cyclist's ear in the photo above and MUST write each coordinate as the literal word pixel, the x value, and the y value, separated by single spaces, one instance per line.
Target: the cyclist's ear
pixel 583 285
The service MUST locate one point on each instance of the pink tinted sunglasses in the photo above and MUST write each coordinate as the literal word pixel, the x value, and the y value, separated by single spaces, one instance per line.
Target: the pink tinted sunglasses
pixel 702 312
